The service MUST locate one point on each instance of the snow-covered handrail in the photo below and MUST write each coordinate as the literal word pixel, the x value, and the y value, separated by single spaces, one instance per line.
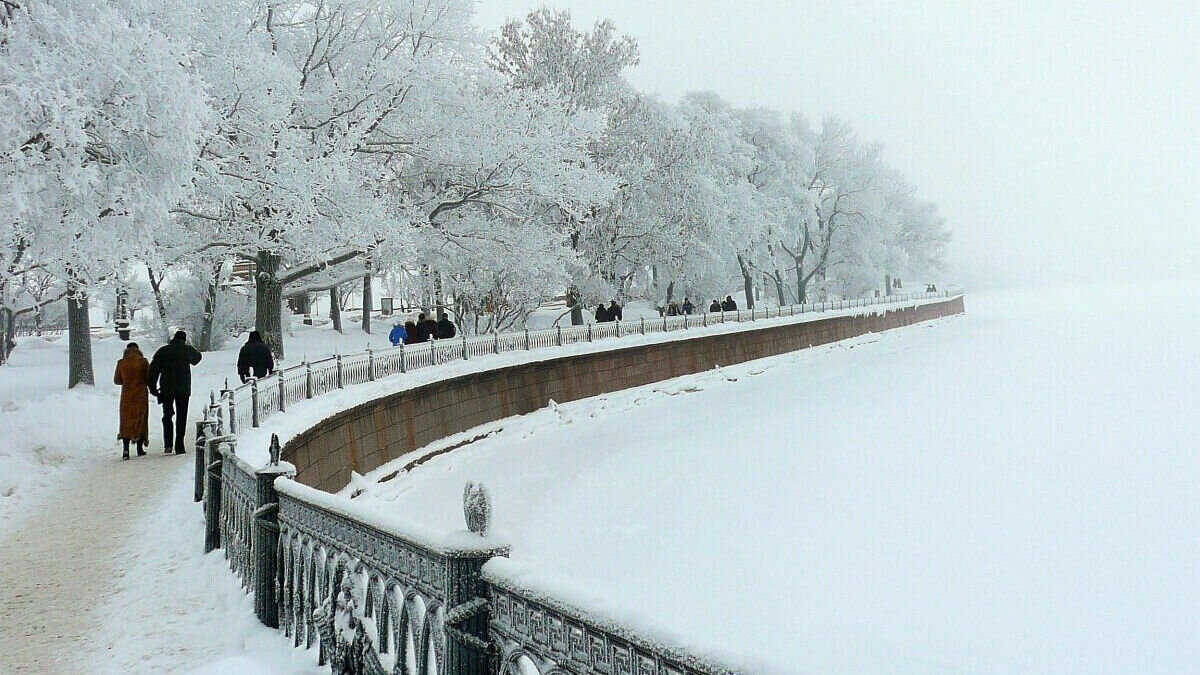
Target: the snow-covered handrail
pixel 249 404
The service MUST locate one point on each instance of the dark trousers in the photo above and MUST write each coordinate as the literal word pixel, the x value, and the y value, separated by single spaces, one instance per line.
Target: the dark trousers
pixel 172 406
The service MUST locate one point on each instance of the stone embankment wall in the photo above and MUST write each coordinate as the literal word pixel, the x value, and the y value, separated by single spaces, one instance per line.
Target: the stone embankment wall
pixel 366 436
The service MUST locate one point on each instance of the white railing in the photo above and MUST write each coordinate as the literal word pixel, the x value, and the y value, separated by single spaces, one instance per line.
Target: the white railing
pixel 250 403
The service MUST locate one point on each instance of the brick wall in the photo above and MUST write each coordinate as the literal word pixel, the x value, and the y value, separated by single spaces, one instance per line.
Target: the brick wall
pixel 366 436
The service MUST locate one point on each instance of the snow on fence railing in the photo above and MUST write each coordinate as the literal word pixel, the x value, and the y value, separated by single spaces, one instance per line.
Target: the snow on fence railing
pixel 416 602
pixel 251 403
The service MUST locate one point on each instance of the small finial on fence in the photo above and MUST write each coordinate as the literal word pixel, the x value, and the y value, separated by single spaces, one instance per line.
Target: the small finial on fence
pixel 477 508
pixel 212 396
pixel 274 449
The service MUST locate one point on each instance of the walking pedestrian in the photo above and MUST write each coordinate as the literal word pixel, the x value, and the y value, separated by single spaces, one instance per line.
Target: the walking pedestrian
pixel 410 332
pixel 614 312
pixel 688 307
pixel 130 375
pixel 445 327
pixel 430 328
pixel 714 307
pixel 255 358
pixel 398 334
pixel 170 381
pixel 601 313
pixel 418 334
pixel 729 305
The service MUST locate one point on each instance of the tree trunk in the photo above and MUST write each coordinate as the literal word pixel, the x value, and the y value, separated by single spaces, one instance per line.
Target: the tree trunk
pixel 268 302
pixel 79 339
pixel 801 287
pixel 204 341
pixel 368 303
pixel 159 305
pixel 7 338
pixel 747 281
pixel 779 290
pixel 670 293
pixel 576 305
pixel 335 308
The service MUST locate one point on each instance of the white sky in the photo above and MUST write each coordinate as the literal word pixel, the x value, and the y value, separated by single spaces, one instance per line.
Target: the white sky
pixel 1060 139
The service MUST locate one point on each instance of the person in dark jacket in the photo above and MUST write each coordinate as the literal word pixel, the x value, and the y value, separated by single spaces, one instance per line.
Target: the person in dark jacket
pixel 714 307
pixel 614 312
pixel 417 334
pixel 688 307
pixel 170 381
pixel 255 358
pixel 429 328
pixel 398 335
pixel 729 305
pixel 445 327
pixel 602 314
pixel 410 332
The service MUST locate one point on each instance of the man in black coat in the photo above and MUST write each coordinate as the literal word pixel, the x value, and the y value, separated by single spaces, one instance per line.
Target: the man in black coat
pixel 255 358
pixel 688 307
pixel 418 335
pixel 170 381
pixel 729 305
pixel 445 327
pixel 614 311
pixel 714 307
pixel 601 313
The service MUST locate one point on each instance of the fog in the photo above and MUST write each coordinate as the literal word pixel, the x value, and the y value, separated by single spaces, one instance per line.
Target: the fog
pixel 1060 139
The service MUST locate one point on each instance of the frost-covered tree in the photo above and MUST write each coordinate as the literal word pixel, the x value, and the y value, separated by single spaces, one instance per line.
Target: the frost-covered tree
pixel 100 118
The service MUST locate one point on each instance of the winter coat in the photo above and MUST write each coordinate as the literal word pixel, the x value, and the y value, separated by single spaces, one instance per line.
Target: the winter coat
pixel 135 399
pixel 171 369
pixel 614 312
pixel 688 307
pixel 729 306
pixel 398 335
pixel 714 307
pixel 255 359
pixel 417 334
pixel 601 314
pixel 429 328
pixel 445 329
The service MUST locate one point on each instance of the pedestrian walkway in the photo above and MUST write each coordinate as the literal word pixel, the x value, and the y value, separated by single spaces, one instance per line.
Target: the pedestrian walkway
pixel 63 559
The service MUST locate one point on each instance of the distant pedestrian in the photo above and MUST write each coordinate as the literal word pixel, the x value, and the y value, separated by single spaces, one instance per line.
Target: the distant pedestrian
pixel 714 307
pixel 254 358
pixel 729 305
pixel 672 308
pixel 429 328
pixel 615 312
pixel 398 334
pixel 445 327
pixel 410 332
pixel 135 402
pixel 418 334
pixel 601 313
pixel 170 381
pixel 688 307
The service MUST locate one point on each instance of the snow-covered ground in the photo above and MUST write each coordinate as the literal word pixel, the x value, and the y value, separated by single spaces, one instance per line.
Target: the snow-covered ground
pixel 1013 490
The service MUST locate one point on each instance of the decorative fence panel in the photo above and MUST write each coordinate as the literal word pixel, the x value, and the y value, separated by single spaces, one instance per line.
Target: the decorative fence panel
pixel 535 634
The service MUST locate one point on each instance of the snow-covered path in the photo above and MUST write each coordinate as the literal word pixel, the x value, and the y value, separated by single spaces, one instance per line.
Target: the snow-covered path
pixel 65 558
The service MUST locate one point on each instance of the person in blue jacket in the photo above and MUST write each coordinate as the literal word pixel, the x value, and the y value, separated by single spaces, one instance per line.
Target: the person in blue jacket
pixel 398 334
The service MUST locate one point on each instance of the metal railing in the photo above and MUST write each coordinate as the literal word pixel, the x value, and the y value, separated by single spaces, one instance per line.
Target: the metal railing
pixel 249 404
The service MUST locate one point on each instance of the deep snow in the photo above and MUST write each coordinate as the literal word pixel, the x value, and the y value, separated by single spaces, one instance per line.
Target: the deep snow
pixel 1013 490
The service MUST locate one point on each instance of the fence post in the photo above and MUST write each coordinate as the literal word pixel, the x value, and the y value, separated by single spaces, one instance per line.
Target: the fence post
pixel 340 385
pixel 495 342
pixel 370 364
pixel 265 537
pixel 282 394
pixel 202 432
pixel 464 346
pixel 403 359
pixel 685 321
pixel 664 323
pixel 704 319
pixel 643 320
pixel 589 332
pixel 618 328
pixel 526 339
pixel 212 501
pixel 226 393
pixel 254 421
pixel 739 314
pixel 558 336
pixel 308 380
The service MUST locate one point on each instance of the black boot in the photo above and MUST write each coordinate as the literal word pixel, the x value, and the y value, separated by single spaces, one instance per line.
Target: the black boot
pixel 125 453
pixel 141 452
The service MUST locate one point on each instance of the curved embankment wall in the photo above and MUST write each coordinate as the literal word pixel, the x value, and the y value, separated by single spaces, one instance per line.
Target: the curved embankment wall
pixel 366 436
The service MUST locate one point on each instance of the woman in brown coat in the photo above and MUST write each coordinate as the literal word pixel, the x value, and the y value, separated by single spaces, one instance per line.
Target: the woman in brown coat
pixel 135 399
